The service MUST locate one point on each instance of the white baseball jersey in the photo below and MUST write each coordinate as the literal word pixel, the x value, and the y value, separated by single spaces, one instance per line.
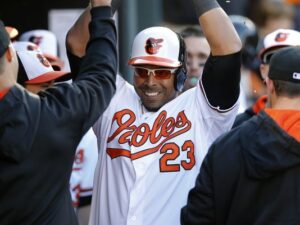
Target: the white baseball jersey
pixel 81 182
pixel 149 161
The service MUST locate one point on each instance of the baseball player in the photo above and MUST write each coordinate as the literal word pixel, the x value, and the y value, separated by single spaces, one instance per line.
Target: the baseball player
pixel 35 71
pixel 36 77
pixel 272 43
pixel 197 50
pixel 151 142
pixel 48 43
pixel 39 133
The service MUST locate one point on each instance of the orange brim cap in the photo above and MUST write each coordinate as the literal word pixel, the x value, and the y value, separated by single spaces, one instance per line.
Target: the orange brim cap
pixel 154 60
pixel 47 77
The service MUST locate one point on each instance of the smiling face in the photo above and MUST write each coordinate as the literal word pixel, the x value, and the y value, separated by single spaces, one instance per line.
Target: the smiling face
pixel 154 92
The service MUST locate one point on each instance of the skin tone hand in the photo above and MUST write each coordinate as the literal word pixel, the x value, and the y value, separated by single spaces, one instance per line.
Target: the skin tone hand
pixel 96 3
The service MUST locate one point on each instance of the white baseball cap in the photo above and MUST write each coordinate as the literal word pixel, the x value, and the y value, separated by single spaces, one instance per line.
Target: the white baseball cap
pixel 45 39
pixel 156 46
pixel 37 68
pixel 277 39
pixel 48 44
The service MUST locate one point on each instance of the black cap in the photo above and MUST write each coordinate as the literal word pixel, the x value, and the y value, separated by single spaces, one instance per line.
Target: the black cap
pixel 285 65
pixel 4 39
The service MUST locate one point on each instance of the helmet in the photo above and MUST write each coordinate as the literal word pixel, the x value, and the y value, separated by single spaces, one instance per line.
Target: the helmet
pixel 160 46
pixel 248 34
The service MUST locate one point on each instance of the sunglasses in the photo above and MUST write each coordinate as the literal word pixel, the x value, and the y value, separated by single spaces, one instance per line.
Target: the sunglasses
pixel 159 74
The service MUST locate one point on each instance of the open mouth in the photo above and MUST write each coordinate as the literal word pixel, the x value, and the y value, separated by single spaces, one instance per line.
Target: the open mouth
pixel 151 94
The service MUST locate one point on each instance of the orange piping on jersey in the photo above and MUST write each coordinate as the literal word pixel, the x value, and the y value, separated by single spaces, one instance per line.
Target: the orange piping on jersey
pixel 83 190
pixel 288 120
pixel 4 92
pixel 115 152
pixel 260 104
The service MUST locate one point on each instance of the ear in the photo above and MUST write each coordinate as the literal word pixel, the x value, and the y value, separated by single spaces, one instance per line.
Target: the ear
pixel 264 71
pixel 270 85
pixel 9 53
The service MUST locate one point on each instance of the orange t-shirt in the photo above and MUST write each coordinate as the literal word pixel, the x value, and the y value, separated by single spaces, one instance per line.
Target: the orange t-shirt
pixel 288 120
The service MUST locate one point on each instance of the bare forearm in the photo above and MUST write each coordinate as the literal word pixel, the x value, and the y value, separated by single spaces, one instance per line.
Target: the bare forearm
pixel 78 36
pixel 218 29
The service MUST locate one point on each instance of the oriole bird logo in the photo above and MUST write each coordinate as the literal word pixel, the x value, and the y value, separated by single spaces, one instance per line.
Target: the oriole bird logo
pixel 153 45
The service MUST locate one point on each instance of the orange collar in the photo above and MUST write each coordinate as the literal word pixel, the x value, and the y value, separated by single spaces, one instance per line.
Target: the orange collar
pixel 288 120
pixel 260 104
pixel 3 93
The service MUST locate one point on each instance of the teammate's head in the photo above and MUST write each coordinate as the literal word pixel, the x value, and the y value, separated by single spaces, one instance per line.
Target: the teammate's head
pixel 35 73
pixel 48 44
pixel 197 50
pixel 248 34
pixel 8 59
pixel 158 60
pixel 275 41
pixel 284 75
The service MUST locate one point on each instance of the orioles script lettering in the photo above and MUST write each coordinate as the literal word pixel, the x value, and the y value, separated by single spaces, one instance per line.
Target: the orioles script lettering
pixel 163 129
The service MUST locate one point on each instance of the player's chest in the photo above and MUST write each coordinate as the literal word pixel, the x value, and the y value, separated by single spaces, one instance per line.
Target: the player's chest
pixel 163 136
pixel 136 130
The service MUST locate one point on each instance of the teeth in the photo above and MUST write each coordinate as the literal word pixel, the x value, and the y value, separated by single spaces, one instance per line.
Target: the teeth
pixel 151 94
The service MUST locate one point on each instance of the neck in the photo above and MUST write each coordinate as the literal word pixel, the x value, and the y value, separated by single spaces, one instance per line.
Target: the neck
pixel 287 103
pixel 6 82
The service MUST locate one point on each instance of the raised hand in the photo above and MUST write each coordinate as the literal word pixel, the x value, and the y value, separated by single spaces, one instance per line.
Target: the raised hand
pixel 96 3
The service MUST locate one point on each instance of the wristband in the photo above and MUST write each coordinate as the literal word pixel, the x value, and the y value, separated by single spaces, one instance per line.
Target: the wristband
pixel 203 6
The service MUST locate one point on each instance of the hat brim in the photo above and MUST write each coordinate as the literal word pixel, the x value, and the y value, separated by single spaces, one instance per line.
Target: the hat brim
pixel 154 60
pixel 12 32
pixel 47 77
pixel 271 48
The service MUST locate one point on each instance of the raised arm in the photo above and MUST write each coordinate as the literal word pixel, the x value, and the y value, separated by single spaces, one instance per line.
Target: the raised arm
pixel 221 74
pixel 94 86
pixel 217 27
pixel 78 36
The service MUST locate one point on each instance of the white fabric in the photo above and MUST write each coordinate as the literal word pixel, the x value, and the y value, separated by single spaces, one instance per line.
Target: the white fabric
pixel 138 191
pixel 33 61
pixel 81 181
pixel 45 39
